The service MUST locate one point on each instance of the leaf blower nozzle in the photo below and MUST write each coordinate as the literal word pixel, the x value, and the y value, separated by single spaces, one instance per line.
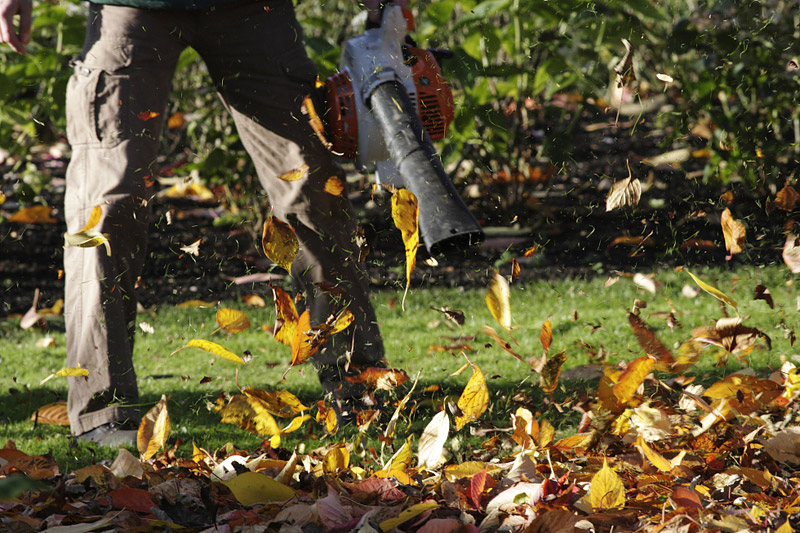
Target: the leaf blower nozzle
pixel 445 223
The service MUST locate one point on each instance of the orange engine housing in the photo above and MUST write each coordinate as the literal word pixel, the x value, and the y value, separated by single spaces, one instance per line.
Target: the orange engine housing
pixel 435 103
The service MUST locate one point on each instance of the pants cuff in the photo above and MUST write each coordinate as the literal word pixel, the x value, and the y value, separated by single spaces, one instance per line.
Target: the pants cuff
pixel 89 421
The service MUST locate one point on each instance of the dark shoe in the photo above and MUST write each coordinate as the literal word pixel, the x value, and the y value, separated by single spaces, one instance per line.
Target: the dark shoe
pixel 112 434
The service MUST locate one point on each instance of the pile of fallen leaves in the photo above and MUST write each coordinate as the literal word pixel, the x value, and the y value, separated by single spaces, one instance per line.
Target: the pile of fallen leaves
pixel 655 451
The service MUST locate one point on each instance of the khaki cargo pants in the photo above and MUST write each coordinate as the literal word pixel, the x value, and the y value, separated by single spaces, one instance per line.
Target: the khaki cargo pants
pixel 255 55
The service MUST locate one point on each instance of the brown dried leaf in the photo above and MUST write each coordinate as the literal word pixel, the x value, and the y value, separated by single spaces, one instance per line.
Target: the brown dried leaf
pixel 551 371
pixel 791 253
pixel 624 193
pixel 787 198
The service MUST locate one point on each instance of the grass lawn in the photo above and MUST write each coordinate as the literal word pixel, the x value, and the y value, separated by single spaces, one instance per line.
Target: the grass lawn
pixel 581 312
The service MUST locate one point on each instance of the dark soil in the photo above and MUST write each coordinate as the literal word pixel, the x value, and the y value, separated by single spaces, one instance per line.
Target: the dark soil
pixel 564 215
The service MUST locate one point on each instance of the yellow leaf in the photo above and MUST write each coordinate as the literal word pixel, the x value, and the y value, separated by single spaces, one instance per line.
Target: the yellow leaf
pixel 197 455
pixel 551 371
pixel 546 434
pixel 467 469
pixel 153 430
pixel 286 316
pixel 302 348
pixel 88 239
pixel 343 320
pixel 334 186
pixel 251 488
pixel 279 242
pixel 337 458
pixel 633 376
pixel 497 300
pixel 405 213
pixel 713 291
pixel 296 423
pixel 474 400
pixel 74 372
pixel 231 320
pixel 279 403
pixel 402 459
pixel 190 190
pixel 295 174
pixel 212 348
pixel 653 456
pixel 240 412
pixel 407 515
pixel 37 214
pixel 94 218
pixel 607 490
pixel 189 304
pixel 733 231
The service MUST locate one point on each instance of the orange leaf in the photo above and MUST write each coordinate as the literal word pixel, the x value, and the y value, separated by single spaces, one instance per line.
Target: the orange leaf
pixel 286 316
pixel 476 486
pixel 176 121
pixel 37 214
pixel 147 115
pixel 515 269
pixel 546 337
pixel 232 321
pixel 633 376
pixel 302 347
pixel 380 378
pixel 54 413
pixel 334 186
pixel 153 429
pixel 279 242
pixel 733 231
pixel 405 213
pixel 650 343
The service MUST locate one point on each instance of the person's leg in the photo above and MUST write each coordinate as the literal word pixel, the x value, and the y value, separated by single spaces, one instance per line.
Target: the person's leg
pixel 257 59
pixel 124 72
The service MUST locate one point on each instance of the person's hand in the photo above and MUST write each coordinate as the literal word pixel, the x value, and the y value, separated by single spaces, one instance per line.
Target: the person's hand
pixel 374 9
pixel 9 8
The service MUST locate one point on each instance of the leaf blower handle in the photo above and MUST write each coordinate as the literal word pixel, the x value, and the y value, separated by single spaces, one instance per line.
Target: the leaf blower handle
pixel 446 225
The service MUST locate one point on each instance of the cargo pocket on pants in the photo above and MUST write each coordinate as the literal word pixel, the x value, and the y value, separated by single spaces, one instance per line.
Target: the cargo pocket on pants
pixel 96 93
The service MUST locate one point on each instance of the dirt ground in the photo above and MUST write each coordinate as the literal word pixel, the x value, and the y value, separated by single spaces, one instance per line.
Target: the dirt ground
pixel 676 222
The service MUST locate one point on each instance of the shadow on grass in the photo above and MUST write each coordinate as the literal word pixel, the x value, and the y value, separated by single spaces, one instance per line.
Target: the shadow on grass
pixel 193 422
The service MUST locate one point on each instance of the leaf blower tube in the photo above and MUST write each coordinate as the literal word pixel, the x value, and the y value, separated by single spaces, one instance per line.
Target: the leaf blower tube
pixel 445 223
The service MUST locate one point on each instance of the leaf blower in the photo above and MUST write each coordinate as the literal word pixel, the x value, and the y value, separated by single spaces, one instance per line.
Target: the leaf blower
pixel 384 107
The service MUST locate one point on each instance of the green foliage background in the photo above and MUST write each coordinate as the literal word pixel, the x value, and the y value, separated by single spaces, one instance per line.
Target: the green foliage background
pixel 731 62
